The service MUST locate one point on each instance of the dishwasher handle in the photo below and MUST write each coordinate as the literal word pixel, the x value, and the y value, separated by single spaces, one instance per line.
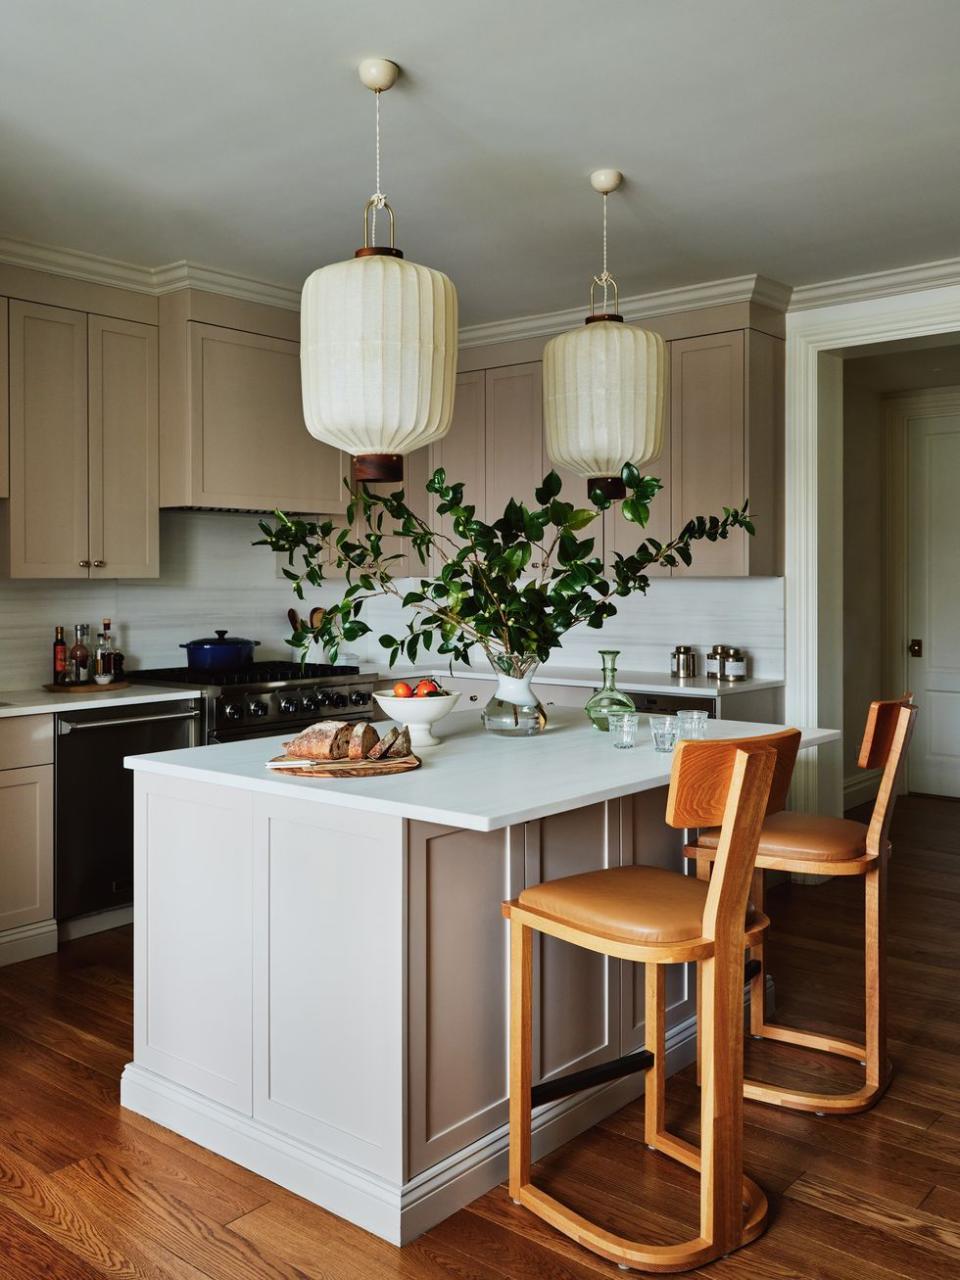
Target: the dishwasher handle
pixel 65 726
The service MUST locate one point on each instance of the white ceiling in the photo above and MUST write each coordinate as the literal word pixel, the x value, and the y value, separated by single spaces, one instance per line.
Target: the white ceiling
pixel 800 139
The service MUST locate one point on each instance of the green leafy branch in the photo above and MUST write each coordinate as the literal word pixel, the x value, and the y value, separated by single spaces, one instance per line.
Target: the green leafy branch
pixel 515 586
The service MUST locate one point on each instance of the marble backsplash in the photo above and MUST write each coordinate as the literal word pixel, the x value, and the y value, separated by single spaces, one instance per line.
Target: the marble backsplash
pixel 213 578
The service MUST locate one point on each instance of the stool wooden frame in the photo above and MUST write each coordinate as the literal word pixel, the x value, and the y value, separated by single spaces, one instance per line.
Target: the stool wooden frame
pixel 885 741
pixel 728 784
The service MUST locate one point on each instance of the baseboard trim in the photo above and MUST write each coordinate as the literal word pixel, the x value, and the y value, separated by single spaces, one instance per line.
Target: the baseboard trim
pixel 861 788
pixel 396 1212
pixel 96 922
pixel 28 942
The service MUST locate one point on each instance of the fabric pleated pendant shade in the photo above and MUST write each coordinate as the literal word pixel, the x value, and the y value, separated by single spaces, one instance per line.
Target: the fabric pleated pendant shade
pixel 378 351
pixel 603 388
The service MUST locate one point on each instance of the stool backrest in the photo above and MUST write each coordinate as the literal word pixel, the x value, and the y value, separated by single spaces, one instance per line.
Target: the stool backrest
pixel 725 784
pixel 698 789
pixel 885 741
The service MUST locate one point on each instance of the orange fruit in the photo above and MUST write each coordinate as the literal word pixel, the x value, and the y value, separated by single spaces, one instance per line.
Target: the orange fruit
pixel 426 687
pixel 402 690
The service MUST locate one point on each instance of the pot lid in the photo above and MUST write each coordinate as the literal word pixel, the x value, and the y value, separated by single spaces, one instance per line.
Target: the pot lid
pixel 219 639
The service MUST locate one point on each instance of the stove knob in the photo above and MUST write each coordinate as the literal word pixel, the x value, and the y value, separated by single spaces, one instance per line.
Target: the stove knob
pixel 258 709
pixel 233 711
pixel 323 698
pixel 290 705
pixel 339 699
pixel 359 698
pixel 309 702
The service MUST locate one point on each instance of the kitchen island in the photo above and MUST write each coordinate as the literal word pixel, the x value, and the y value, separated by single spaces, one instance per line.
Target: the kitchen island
pixel 321 964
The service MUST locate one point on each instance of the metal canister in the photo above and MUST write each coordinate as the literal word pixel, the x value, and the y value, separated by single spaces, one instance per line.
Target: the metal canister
pixel 733 664
pixel 713 661
pixel 683 661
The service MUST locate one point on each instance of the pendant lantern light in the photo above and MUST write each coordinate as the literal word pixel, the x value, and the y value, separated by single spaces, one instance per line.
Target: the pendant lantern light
pixel 603 385
pixel 378 341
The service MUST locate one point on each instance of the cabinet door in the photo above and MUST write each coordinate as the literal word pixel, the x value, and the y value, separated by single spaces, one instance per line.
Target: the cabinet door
pixel 124 449
pixel 461 451
pixel 577 992
pixel 459 985
pixel 26 851
pixel 48 535
pixel 250 446
pixel 707 426
pixel 619 534
pixel 4 404
pixel 514 435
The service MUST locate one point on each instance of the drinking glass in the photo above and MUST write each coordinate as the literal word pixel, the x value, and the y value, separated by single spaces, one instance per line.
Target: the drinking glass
pixel 665 732
pixel 624 728
pixel 693 724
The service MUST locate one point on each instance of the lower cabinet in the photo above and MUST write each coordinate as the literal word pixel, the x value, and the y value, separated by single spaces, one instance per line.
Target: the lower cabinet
pixel 26 821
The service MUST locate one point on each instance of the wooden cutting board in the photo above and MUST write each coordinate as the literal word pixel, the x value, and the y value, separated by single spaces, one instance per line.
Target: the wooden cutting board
pixel 347 768
pixel 90 687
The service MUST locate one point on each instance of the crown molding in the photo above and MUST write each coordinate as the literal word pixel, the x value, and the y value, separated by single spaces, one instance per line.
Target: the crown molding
pixel 640 306
pixel 140 279
pixel 877 284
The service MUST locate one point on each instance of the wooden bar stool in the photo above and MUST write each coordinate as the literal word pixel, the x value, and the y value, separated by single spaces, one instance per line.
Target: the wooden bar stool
pixel 833 847
pixel 660 917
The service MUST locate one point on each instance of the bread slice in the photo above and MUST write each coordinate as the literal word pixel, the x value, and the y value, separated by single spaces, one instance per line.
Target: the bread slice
pixel 362 741
pixel 401 747
pixel 383 746
pixel 326 740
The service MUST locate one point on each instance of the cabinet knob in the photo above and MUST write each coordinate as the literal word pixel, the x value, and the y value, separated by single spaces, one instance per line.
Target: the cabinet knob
pixel 84 564
pixel 474 697
pixel 98 564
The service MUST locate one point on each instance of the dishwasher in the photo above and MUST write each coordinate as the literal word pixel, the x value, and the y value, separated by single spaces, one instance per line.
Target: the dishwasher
pixel 94 805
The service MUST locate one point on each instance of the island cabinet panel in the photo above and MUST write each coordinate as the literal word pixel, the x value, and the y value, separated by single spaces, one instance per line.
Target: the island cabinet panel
pixel 328 980
pixel 576 1019
pixel 458 987
pixel 26 849
pixel 646 840
pixel 193 871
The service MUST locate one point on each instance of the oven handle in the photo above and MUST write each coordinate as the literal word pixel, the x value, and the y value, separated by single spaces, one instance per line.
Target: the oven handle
pixel 65 726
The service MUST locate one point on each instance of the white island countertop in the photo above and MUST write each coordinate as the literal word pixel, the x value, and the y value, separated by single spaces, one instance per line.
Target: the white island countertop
pixel 474 780
pixel 34 702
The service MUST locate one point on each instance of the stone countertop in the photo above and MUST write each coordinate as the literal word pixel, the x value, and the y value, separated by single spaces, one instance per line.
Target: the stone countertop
pixel 474 779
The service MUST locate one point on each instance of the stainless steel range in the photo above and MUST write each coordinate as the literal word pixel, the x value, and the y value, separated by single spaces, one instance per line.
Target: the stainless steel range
pixel 268 698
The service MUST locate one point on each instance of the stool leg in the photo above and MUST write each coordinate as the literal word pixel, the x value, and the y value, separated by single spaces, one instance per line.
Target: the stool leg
pixel 875 958
pixel 758 984
pixel 721 1101
pixel 655 1040
pixel 704 867
pixel 521 1053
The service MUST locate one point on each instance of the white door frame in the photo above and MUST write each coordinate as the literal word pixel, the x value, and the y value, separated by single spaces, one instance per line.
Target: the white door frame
pixel 814 512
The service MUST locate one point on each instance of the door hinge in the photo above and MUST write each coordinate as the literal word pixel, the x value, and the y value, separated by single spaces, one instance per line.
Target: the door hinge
pixel 915 648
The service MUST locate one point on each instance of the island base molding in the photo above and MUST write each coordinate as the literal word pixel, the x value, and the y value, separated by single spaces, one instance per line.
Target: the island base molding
pixel 397 1214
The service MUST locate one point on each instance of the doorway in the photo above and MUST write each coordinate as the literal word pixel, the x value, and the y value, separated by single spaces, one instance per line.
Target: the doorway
pixel 901 554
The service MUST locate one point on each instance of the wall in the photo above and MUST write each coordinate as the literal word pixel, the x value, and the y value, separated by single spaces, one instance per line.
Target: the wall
pixel 211 577
pixel 863 567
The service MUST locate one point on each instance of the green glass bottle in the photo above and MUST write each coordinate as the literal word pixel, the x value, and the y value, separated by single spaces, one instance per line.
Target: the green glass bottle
pixel 609 698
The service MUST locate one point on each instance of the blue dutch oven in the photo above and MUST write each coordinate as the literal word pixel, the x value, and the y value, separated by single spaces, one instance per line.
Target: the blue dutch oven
pixel 218 653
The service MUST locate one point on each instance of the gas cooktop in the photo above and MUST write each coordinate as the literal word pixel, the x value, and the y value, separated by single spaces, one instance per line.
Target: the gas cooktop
pixel 257 673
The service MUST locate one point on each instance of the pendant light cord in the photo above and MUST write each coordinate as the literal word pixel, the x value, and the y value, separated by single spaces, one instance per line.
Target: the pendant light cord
pixel 378 197
pixel 604 278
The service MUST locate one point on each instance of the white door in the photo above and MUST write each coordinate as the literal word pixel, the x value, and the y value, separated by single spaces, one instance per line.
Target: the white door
pixel 933 599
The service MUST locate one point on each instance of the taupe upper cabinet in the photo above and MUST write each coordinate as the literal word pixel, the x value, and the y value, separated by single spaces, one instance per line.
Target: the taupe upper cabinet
pixel 48 532
pixel 124 450
pixel 83 446
pixel 623 536
pixel 461 451
pixel 514 435
pixel 726 395
pixel 233 433
pixel 4 403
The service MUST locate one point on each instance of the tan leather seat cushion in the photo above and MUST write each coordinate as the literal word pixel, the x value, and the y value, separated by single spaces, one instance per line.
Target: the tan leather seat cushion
pixel 805 835
pixel 632 904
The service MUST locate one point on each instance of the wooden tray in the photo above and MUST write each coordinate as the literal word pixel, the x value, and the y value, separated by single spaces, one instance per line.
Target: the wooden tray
pixel 87 688
pixel 347 768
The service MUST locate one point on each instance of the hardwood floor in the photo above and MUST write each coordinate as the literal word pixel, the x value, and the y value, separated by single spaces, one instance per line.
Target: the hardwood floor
pixel 88 1191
